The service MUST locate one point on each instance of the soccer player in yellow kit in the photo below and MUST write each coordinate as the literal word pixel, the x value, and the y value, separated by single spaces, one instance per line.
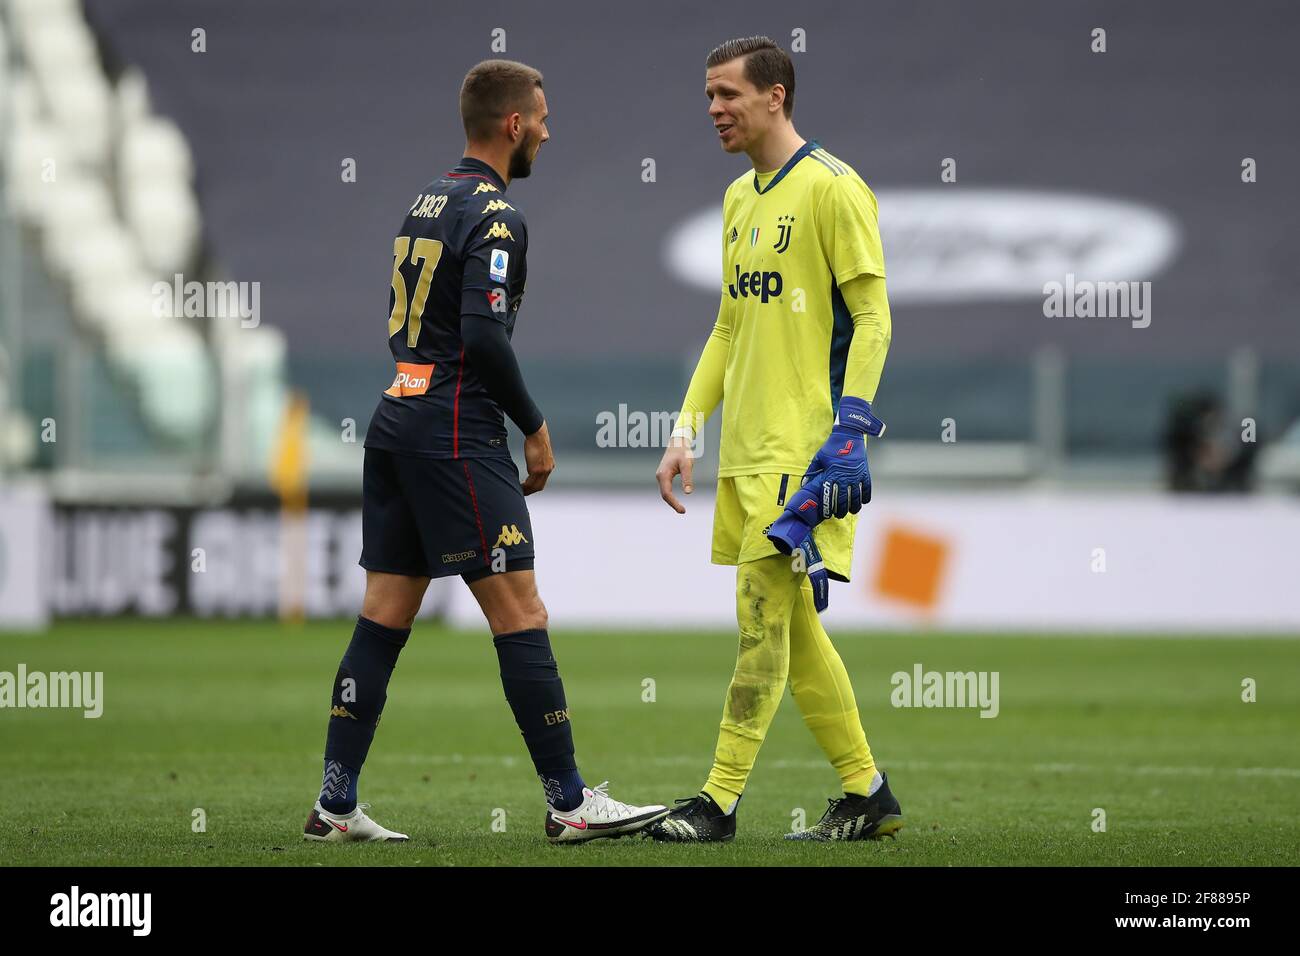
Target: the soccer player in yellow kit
pixel 795 356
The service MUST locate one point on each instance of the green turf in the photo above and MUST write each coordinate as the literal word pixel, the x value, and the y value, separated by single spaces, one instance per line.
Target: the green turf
pixel 230 717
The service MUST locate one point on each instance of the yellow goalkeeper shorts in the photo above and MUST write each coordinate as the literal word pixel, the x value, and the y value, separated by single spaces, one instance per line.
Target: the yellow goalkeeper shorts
pixel 747 506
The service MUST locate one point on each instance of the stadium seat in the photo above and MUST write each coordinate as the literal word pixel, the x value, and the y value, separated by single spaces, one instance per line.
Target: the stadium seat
pixel 33 144
pixel 172 371
pixel 115 297
pixel 153 148
pixel 164 216
pixel 79 102
pixel 75 206
pixel 109 231
pixel 132 96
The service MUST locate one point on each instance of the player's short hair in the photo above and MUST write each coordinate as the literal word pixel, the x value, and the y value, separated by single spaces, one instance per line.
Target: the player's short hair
pixel 494 89
pixel 766 64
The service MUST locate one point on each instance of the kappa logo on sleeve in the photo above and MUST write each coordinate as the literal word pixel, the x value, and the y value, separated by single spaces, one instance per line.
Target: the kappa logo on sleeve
pixel 499 265
pixel 499 230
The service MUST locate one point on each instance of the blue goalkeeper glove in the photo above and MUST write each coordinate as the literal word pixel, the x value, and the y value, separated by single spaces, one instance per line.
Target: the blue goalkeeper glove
pixel 840 467
pixel 837 482
pixel 817 576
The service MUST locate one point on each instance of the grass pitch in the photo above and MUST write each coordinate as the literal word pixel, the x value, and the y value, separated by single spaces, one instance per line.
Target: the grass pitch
pixel 229 718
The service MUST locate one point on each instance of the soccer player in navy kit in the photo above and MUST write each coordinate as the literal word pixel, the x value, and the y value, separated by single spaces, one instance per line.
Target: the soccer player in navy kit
pixel 441 494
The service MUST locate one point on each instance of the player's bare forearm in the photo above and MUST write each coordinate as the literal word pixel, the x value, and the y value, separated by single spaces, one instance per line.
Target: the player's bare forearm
pixel 539 459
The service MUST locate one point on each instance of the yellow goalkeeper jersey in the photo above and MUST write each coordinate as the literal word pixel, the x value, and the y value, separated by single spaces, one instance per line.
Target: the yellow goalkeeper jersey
pixel 790 240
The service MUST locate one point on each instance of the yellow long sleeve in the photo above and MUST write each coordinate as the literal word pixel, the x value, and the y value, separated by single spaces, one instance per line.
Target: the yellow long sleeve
pixel 705 391
pixel 869 305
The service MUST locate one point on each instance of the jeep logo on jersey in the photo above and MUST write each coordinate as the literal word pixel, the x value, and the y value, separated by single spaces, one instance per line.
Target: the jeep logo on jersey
pixel 412 379
pixel 499 231
pixel 765 284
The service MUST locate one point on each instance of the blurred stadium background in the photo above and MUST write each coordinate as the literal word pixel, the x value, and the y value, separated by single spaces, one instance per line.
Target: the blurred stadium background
pixel 155 462
pixel 180 475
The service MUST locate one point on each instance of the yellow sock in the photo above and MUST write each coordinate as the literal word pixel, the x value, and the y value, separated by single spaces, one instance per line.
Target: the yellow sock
pixel 766 591
pixel 720 795
pixel 820 686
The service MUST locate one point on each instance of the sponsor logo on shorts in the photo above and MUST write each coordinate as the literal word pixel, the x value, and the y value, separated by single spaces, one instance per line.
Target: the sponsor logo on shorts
pixel 510 536
pixel 411 379
pixel 458 556
pixel 338 711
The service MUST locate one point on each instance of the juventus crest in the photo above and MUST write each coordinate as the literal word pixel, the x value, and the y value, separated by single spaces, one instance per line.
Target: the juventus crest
pixel 784 227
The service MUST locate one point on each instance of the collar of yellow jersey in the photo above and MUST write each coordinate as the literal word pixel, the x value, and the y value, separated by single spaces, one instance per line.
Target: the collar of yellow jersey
pixel 799 154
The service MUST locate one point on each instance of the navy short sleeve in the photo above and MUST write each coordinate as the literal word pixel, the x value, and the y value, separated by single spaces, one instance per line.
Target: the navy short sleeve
pixel 494 254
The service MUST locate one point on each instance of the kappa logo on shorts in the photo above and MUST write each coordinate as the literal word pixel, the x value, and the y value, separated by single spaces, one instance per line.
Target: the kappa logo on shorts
pixel 411 379
pixel 510 536
pixel 458 556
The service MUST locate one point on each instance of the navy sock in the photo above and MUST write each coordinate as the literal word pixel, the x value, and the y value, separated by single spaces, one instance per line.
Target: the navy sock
pixel 533 687
pixel 360 690
pixel 338 789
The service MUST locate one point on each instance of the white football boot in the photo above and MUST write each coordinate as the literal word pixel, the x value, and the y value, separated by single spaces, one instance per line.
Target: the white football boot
pixel 355 827
pixel 600 815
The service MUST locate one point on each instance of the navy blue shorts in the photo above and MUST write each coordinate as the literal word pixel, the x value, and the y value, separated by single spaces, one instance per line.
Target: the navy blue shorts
pixel 434 517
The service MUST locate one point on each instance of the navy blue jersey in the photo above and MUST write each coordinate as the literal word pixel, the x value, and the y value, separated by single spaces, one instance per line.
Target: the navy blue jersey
pixel 461 251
